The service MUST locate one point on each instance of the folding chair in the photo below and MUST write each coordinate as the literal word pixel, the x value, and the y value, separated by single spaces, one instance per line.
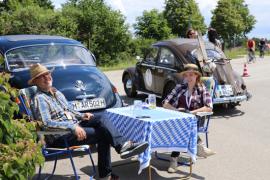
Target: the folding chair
pixel 204 117
pixel 26 95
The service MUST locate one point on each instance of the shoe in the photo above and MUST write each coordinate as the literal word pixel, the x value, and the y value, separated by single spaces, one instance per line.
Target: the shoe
pixel 203 151
pixel 130 149
pixel 173 165
pixel 111 177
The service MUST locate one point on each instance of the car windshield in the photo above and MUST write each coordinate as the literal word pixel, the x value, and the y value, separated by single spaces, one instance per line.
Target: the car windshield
pixel 52 54
pixel 211 54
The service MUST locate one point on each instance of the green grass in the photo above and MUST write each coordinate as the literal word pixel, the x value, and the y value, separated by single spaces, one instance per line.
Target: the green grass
pixel 119 66
pixel 235 53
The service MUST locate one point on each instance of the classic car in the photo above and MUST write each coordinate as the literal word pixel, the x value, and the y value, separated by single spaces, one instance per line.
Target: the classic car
pixel 158 71
pixel 74 69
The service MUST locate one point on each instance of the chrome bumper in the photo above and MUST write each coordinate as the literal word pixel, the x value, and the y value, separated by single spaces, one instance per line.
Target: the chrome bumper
pixel 233 99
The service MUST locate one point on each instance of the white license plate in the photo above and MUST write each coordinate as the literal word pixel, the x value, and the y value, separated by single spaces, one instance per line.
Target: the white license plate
pixel 225 90
pixel 88 104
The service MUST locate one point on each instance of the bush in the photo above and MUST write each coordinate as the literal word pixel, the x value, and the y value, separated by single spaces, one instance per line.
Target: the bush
pixel 19 151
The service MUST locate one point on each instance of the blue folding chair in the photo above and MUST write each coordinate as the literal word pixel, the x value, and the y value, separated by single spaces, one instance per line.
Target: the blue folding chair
pixel 204 117
pixel 26 95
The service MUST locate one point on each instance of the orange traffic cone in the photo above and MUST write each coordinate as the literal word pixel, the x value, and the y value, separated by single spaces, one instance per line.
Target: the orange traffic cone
pixel 245 73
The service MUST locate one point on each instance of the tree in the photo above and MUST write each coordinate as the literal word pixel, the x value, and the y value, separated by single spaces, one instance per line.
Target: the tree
pixel 232 20
pixel 152 25
pixel 101 29
pixel 182 15
pixel 26 17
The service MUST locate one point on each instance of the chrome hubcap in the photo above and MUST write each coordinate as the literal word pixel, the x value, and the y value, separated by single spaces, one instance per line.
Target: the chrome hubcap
pixel 129 84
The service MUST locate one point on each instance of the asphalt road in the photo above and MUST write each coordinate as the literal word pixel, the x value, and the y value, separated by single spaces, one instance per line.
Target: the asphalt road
pixel 241 138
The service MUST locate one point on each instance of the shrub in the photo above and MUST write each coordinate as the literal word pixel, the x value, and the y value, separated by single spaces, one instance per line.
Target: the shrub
pixel 19 151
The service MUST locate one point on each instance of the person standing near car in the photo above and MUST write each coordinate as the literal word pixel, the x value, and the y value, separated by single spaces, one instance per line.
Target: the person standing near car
pixel 51 107
pixel 191 34
pixel 191 97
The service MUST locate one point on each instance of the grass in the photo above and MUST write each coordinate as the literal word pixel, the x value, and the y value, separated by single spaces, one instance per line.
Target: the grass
pixel 235 53
pixel 119 66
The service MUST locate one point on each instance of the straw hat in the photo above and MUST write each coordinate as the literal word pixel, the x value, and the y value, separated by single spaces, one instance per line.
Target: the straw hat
pixel 37 70
pixel 191 68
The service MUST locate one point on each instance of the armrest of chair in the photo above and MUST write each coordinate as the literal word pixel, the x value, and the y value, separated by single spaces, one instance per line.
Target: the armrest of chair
pixel 202 114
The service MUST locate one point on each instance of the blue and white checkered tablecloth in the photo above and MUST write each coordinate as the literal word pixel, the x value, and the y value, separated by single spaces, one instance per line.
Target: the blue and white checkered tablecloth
pixel 164 129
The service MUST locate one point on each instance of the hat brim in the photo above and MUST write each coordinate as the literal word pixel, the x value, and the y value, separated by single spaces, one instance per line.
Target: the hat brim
pixel 30 82
pixel 193 71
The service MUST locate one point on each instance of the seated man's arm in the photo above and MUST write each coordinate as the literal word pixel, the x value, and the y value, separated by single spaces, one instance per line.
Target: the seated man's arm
pixel 43 112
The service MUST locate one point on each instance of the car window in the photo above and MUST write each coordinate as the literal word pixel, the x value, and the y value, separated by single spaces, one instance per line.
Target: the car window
pixel 211 54
pixel 151 55
pixel 51 54
pixel 166 57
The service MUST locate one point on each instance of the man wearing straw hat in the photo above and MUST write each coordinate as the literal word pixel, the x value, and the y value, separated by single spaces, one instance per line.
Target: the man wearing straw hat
pixel 191 97
pixel 51 106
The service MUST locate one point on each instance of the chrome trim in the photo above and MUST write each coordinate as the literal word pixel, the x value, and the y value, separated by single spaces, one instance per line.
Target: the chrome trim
pixel 160 67
pixel 225 100
pixel 142 92
pixel 86 96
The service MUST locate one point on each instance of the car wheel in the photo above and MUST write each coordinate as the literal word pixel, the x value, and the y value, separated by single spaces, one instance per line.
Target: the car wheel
pixel 168 89
pixel 129 86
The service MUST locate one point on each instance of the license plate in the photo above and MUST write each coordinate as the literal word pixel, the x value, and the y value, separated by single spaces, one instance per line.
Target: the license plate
pixel 225 90
pixel 88 104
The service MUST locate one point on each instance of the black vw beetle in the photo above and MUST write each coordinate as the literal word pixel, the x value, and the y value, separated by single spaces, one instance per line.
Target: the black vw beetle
pixel 158 71
pixel 74 69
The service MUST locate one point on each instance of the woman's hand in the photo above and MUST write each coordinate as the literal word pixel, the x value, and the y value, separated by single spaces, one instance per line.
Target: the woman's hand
pixel 181 109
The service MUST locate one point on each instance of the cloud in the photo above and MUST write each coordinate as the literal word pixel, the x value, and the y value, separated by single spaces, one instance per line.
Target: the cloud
pixel 117 4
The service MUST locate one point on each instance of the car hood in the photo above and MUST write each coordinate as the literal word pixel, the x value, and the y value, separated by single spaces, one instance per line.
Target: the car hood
pixel 66 80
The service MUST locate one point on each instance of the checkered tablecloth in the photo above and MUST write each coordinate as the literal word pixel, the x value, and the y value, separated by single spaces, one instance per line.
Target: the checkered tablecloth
pixel 164 129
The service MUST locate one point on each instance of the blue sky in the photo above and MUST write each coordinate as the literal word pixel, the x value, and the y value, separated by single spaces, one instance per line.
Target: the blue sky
pixel 134 8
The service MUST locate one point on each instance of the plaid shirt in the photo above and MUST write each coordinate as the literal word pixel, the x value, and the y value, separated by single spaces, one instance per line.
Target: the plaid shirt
pixel 200 97
pixel 51 110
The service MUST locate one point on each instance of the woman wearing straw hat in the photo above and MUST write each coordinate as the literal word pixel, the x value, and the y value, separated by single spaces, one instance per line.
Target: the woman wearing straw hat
pixel 191 97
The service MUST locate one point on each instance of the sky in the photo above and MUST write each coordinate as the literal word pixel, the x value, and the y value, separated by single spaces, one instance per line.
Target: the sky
pixel 134 8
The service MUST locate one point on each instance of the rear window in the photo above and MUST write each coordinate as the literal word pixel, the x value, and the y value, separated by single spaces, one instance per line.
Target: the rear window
pixel 24 57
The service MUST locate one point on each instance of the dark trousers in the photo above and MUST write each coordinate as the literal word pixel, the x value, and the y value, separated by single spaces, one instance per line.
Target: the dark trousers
pixel 96 134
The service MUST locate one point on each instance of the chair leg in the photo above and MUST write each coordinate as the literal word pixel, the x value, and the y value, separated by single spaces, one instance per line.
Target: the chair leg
pixel 206 137
pixel 54 167
pixel 73 165
pixel 39 172
pixel 92 161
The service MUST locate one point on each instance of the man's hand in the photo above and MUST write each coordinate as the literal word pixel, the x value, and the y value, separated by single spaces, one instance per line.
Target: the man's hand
pixel 87 116
pixel 80 133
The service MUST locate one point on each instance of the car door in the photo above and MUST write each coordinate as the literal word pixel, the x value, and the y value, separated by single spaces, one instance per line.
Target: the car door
pixel 147 68
pixel 165 67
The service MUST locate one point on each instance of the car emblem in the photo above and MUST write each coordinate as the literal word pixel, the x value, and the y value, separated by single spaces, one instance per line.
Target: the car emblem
pixel 80 85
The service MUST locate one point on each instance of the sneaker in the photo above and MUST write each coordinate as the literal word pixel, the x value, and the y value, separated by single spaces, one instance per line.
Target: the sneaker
pixel 203 151
pixel 173 165
pixel 130 149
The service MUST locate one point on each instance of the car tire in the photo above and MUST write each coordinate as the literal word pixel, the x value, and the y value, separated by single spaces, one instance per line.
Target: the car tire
pixel 129 86
pixel 168 89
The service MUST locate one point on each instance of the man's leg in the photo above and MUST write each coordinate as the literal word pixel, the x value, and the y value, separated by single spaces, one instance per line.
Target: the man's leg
pixel 125 148
pixel 118 139
pixel 97 135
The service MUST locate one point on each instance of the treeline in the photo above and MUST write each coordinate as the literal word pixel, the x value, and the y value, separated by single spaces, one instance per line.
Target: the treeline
pixel 105 31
